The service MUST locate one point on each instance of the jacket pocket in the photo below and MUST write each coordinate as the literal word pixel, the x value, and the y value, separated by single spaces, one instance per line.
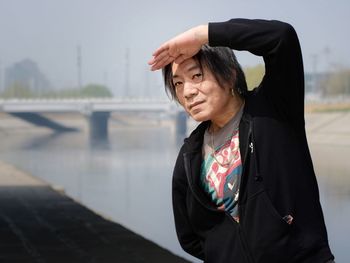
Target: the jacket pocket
pixel 269 237
pixel 223 245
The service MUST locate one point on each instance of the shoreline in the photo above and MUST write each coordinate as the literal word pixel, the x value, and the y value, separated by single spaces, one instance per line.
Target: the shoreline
pixel 39 224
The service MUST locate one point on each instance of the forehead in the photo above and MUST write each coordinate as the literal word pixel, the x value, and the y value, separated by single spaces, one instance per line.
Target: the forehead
pixel 186 66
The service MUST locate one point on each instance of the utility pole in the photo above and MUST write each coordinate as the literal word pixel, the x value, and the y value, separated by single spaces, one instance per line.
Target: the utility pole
pixel 1 81
pixel 327 52
pixel 79 66
pixel 314 58
pixel 147 89
pixel 127 92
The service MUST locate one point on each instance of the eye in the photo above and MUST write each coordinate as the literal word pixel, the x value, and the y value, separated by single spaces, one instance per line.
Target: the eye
pixel 197 76
pixel 177 83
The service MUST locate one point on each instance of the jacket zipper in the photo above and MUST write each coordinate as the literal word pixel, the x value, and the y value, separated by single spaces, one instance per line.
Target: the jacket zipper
pixel 194 191
pixel 195 194
pixel 244 165
pixel 243 241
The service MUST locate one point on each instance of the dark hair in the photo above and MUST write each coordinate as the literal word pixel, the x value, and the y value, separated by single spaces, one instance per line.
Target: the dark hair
pixel 221 62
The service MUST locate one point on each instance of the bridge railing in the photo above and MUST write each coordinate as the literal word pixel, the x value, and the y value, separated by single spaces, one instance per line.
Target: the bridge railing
pixel 86 106
pixel 97 110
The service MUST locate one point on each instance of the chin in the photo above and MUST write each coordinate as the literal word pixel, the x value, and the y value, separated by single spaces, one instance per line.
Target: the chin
pixel 200 117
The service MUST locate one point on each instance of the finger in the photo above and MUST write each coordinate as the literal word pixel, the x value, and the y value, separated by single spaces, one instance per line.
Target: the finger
pixel 159 57
pixel 151 61
pixel 160 66
pixel 162 48
pixel 162 63
pixel 181 59
pixel 162 60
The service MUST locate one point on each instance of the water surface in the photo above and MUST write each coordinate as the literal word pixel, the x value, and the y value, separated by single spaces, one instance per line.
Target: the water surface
pixel 128 177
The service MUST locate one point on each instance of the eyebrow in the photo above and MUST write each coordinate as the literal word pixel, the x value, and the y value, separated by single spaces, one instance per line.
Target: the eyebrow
pixel 193 67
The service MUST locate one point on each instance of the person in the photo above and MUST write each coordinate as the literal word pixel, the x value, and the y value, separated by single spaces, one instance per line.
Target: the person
pixel 244 187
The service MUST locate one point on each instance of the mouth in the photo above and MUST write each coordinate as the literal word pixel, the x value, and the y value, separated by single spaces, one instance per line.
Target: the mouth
pixel 194 104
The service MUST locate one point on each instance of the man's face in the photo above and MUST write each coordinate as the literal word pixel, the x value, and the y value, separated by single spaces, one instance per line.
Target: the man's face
pixel 198 91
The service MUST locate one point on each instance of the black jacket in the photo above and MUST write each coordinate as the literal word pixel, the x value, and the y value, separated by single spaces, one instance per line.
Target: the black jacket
pixel 278 177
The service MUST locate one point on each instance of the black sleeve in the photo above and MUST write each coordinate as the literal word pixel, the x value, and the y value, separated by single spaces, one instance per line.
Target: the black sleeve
pixel 278 44
pixel 189 241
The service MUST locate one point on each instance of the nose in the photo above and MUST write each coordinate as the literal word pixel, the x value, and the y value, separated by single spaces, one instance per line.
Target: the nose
pixel 190 90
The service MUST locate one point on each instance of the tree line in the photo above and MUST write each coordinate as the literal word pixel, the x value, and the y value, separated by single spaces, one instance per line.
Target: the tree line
pixel 335 83
pixel 22 91
pixel 328 84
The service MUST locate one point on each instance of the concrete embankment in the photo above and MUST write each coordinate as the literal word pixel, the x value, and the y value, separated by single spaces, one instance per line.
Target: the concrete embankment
pixel 39 224
pixel 329 140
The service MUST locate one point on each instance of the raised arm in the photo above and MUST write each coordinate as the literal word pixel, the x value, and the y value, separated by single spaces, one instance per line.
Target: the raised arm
pixel 275 41
pixel 179 48
pixel 278 44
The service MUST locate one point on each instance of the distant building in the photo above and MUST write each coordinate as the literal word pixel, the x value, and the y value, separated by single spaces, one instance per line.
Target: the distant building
pixel 26 73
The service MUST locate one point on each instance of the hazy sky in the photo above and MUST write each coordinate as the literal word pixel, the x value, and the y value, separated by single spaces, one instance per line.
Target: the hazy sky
pixel 49 31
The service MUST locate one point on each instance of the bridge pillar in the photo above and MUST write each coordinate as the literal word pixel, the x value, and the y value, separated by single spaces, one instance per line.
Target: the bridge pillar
pixel 98 124
pixel 181 125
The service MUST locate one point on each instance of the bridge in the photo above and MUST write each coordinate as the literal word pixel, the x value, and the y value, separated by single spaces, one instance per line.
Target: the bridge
pixel 96 110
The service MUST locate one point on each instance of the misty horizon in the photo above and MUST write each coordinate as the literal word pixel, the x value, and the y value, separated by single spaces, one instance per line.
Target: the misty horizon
pixel 117 38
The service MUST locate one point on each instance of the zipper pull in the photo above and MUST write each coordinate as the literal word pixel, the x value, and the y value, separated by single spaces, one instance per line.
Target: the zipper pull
pixel 251 146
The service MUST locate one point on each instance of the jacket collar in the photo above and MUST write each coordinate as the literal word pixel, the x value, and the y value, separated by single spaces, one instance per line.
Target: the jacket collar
pixel 195 141
pixel 192 157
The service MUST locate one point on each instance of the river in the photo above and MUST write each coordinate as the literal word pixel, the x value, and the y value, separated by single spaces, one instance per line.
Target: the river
pixel 128 178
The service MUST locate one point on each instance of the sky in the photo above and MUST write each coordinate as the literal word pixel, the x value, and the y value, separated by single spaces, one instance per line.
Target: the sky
pixel 117 37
